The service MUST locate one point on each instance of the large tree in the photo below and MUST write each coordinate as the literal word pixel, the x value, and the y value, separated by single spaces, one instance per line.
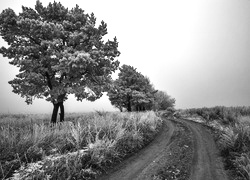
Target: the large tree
pixel 59 52
pixel 131 90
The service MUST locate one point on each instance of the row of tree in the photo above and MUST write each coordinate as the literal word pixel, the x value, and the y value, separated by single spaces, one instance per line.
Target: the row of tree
pixel 133 92
pixel 61 52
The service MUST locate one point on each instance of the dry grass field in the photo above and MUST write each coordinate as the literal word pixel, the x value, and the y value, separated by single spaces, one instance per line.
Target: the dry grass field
pixel 82 147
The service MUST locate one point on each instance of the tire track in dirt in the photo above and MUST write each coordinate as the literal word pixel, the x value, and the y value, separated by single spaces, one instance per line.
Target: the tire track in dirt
pixel 137 165
pixel 207 164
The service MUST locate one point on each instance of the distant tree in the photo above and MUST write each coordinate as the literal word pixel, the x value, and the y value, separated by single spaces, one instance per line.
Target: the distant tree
pixel 59 52
pixel 163 101
pixel 144 98
pixel 131 90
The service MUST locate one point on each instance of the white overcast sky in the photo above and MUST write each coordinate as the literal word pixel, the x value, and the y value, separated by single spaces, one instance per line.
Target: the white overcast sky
pixel 198 51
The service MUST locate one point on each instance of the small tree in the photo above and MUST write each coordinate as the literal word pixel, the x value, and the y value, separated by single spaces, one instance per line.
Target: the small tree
pixel 59 52
pixel 131 90
pixel 163 101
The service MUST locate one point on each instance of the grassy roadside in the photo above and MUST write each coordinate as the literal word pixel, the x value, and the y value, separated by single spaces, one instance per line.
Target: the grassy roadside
pixel 231 129
pixel 80 148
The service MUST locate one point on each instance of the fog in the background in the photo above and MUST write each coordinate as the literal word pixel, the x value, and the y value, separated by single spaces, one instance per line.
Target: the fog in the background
pixel 198 51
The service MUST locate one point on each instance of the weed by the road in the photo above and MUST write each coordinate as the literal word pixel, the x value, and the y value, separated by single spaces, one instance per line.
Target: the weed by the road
pixel 234 144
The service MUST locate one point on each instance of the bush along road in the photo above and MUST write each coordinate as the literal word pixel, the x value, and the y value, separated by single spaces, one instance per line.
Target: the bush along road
pixel 182 150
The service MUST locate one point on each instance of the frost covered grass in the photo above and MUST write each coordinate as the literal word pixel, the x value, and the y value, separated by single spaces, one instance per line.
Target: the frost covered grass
pixel 245 120
pixel 234 143
pixel 80 148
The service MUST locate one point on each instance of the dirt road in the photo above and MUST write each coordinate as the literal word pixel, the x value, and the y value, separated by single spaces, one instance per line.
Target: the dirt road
pixel 206 165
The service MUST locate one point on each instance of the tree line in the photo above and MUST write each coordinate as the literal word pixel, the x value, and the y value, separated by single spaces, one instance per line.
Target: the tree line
pixel 133 91
pixel 61 52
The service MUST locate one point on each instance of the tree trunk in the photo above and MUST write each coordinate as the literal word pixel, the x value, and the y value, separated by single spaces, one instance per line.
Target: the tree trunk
pixel 57 104
pixel 54 113
pixel 129 106
pixel 61 111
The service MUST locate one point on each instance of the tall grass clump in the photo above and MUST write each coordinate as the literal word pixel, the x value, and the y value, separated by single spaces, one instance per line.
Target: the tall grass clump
pixel 234 144
pixel 80 148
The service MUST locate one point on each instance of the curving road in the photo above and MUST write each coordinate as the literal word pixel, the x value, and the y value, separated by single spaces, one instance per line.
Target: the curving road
pixel 206 163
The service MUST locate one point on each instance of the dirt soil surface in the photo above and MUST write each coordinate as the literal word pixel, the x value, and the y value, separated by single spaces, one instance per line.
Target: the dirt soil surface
pixel 205 163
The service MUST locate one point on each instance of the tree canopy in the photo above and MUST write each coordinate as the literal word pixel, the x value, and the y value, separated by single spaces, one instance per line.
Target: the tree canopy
pixel 59 52
pixel 131 90
pixel 163 101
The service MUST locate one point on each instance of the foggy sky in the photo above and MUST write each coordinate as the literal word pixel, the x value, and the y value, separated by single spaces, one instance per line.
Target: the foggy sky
pixel 198 51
